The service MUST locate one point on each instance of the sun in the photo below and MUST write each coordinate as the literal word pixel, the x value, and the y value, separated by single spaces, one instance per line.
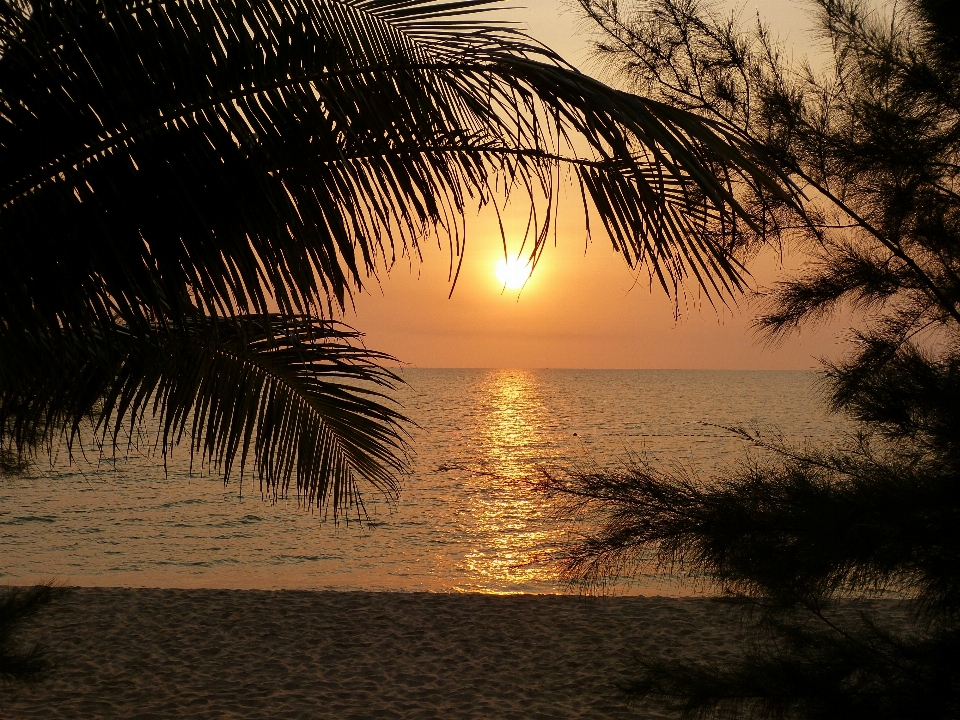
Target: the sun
pixel 513 273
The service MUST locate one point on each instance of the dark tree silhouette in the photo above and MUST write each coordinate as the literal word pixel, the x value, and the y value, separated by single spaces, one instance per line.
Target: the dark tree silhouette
pixel 16 605
pixel 874 142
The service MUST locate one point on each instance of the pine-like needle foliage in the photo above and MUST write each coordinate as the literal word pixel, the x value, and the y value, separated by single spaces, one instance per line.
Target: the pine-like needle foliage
pixel 874 143
pixel 191 189
pixel 16 605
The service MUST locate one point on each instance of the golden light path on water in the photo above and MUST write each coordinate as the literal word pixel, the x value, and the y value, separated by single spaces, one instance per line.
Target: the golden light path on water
pixel 513 445
pixel 467 519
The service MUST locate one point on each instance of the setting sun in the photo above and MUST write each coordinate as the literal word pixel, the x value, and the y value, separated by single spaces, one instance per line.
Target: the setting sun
pixel 513 273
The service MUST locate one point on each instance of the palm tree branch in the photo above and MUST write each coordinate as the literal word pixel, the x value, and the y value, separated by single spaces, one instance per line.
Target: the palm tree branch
pixel 299 394
pixel 724 140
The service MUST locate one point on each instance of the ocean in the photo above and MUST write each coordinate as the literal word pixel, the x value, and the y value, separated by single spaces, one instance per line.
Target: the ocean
pixel 467 519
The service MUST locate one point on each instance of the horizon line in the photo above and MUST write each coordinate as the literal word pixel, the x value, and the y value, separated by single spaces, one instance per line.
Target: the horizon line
pixel 410 366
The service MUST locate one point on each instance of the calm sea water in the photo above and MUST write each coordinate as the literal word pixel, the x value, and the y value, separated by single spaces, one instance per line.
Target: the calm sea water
pixel 466 521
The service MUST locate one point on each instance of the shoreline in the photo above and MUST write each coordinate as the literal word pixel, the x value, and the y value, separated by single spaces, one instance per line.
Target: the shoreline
pixel 137 652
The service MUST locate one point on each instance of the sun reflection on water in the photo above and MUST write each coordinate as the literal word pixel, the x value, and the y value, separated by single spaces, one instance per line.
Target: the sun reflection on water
pixel 513 442
pixel 466 519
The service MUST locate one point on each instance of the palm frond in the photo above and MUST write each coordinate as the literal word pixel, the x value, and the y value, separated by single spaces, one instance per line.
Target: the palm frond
pixel 296 398
pixel 229 155
pixel 173 172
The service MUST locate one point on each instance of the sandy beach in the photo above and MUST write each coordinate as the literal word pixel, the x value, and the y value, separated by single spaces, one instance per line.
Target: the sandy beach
pixel 140 653
pixel 151 653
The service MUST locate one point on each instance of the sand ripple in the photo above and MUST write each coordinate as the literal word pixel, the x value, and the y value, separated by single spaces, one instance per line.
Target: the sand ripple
pixel 141 653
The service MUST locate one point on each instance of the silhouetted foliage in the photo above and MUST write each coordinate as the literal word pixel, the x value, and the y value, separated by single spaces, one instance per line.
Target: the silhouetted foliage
pixel 874 143
pixel 193 190
pixel 17 605
pixel 13 462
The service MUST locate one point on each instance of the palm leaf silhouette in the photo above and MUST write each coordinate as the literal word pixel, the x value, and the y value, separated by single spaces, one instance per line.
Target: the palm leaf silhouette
pixel 168 167
pixel 293 396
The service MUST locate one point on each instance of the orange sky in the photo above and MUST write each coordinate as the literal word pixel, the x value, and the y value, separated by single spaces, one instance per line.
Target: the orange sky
pixel 582 307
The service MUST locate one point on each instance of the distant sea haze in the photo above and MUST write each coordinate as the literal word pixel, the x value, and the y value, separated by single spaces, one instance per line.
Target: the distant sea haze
pixel 467 519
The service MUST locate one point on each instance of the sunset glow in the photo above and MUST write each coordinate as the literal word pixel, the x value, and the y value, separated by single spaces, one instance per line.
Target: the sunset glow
pixel 513 272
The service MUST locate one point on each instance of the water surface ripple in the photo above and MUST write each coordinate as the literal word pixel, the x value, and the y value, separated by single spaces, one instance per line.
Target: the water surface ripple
pixel 466 521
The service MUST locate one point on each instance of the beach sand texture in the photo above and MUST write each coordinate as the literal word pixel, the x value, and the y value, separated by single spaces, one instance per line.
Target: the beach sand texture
pixel 152 653
pixel 140 653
